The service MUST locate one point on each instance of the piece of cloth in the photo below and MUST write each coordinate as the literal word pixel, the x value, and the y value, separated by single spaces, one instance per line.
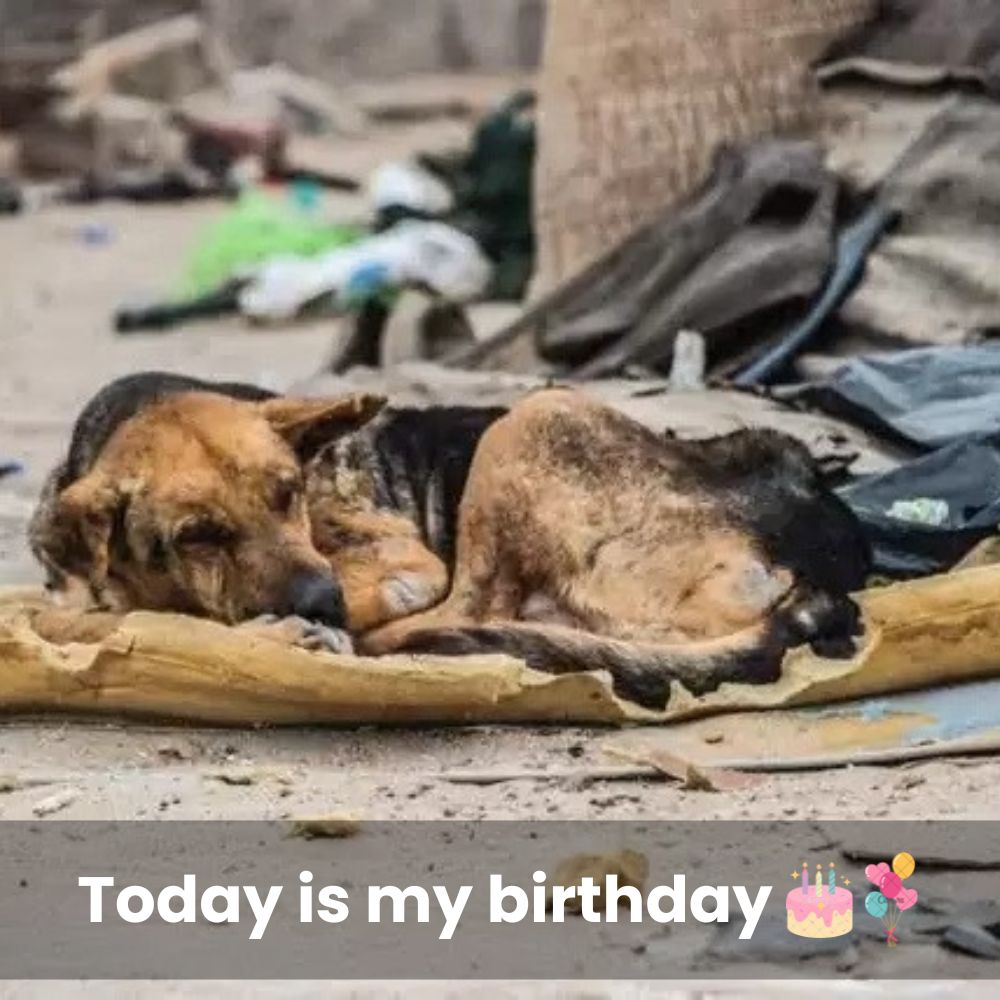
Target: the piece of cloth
pixel 926 72
pixel 926 398
pixel 758 240
pixel 936 278
pixel 491 188
pixel 924 42
pixel 854 245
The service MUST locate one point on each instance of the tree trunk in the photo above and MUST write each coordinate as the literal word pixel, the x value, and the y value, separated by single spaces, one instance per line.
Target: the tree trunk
pixel 636 96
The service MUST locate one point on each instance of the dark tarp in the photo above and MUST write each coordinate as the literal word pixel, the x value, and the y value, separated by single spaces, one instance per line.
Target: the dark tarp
pixel 942 400
pixel 966 476
pixel 928 398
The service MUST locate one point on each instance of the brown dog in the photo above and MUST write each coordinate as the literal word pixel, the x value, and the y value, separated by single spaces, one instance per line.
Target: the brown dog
pixel 561 532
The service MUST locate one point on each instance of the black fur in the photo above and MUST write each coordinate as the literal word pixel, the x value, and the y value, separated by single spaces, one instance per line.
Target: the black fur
pixel 642 673
pixel 770 485
pixel 419 462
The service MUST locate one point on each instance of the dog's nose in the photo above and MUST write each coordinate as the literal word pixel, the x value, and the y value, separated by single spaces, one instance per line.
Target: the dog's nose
pixel 317 597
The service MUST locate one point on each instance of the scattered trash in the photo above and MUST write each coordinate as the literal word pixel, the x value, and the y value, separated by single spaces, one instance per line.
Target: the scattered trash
pixel 582 776
pixel 853 247
pixel 335 826
pixel 96 235
pixel 925 398
pixel 408 186
pixel 142 186
pixel 923 510
pixel 54 803
pixel 255 231
pixel 163 56
pixel 430 254
pixel 224 301
pixel 687 373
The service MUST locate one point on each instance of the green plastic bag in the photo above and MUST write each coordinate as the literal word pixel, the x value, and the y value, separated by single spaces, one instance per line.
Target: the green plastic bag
pixel 256 229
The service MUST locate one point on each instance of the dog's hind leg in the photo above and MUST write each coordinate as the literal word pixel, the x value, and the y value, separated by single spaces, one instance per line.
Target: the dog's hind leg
pixel 642 672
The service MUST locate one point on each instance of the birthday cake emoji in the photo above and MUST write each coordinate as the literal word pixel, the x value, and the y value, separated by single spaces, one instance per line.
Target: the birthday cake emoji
pixel 820 909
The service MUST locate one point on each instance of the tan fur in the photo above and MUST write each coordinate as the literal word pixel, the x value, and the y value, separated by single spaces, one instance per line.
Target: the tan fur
pixel 626 557
pixel 179 473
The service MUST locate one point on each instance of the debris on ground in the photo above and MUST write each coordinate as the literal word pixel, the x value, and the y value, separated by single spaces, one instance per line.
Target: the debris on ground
pixel 430 254
pixel 302 103
pixel 693 777
pixel 334 826
pixel 54 803
pixel 11 199
pixel 236 779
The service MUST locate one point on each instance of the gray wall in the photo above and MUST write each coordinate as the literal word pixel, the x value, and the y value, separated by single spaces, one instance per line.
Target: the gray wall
pixel 327 38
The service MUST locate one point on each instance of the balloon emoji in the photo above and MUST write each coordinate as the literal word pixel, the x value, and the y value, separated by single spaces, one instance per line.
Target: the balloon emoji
pixel 890 884
pixel 876 904
pixel 903 865
pixel 906 898
pixel 874 873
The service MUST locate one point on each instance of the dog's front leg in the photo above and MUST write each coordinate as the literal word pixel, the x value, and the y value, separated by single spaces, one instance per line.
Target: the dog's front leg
pixel 294 631
pixel 393 579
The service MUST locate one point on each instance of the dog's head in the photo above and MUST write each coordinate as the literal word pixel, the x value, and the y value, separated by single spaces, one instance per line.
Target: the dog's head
pixel 197 504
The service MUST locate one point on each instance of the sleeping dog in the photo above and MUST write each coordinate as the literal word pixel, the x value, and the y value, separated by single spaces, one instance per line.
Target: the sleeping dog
pixel 560 531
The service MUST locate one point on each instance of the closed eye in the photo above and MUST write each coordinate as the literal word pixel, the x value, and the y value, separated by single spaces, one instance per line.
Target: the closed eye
pixel 285 495
pixel 204 532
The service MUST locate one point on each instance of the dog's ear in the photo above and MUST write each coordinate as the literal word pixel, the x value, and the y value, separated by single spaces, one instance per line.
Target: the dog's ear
pixel 310 424
pixel 71 532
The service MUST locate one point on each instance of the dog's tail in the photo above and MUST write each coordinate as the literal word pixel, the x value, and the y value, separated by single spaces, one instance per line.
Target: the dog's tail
pixel 642 672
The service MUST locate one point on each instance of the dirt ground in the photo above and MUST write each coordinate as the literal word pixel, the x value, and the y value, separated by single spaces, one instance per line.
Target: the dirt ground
pixel 58 292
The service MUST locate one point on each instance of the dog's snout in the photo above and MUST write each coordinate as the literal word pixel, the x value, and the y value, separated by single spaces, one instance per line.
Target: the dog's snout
pixel 317 597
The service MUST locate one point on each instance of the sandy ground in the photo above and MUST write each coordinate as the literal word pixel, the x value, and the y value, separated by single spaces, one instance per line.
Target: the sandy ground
pixel 56 348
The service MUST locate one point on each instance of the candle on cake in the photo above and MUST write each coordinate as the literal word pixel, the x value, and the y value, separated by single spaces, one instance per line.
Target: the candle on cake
pixel 819 880
pixel 833 879
pixel 805 878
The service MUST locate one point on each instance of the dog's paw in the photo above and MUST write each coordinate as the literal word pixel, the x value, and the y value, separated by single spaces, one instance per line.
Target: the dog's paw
pixel 830 626
pixel 407 593
pixel 302 633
